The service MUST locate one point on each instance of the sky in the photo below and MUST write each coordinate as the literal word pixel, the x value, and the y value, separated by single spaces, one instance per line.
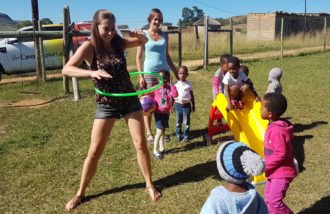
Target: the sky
pixel 134 12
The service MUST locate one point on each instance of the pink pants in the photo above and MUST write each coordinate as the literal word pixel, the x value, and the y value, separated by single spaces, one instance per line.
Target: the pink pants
pixel 275 190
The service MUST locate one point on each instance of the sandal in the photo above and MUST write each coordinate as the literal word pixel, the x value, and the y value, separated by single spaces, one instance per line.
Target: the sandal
pixel 74 203
pixel 153 193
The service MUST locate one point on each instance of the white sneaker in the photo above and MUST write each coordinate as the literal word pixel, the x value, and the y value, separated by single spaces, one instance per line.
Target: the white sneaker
pixel 150 139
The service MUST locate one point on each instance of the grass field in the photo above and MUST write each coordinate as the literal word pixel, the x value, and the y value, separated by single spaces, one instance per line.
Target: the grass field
pixel 42 147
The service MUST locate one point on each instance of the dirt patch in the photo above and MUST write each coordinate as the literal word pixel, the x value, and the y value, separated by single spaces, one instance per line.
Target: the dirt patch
pixel 28 103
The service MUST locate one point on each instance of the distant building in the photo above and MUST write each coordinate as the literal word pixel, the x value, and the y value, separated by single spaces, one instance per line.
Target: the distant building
pixel 212 24
pixel 164 26
pixel 267 26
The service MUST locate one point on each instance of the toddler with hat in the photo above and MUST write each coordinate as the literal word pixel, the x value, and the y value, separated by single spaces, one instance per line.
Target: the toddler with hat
pixel 274 79
pixel 236 163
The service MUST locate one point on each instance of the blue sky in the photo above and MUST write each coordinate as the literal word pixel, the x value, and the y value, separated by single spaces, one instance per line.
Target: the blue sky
pixel 134 12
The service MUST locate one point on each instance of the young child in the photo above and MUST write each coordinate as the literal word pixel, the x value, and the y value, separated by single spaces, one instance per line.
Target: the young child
pixel 246 71
pixel 164 99
pixel 184 104
pixel 274 79
pixel 235 163
pixel 217 85
pixel 280 169
pixel 234 84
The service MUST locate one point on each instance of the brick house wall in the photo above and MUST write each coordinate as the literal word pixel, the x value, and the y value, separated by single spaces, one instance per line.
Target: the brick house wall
pixel 267 26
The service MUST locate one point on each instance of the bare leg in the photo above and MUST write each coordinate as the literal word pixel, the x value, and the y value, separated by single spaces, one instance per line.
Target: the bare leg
pixel 161 141
pixel 100 133
pixel 147 123
pixel 136 127
pixel 233 92
pixel 157 139
pixel 244 89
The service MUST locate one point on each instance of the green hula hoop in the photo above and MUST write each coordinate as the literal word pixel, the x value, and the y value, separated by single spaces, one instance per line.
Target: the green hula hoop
pixel 136 93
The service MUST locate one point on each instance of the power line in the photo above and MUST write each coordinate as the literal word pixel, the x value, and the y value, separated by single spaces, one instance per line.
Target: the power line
pixel 216 8
pixel 294 5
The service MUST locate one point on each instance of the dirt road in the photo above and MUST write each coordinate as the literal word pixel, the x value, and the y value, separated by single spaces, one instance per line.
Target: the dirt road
pixel 193 64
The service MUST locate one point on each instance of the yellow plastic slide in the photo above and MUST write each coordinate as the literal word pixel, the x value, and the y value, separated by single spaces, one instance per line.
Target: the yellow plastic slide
pixel 246 125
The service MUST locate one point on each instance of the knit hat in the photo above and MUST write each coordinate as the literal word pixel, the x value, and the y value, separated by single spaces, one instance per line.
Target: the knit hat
pixel 236 162
pixel 275 74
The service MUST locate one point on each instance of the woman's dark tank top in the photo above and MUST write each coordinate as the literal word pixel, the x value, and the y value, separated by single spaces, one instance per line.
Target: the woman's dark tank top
pixel 120 82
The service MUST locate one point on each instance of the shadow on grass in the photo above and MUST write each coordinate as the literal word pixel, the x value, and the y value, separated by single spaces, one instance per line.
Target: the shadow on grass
pixel 320 207
pixel 195 173
pixel 299 151
pixel 298 141
pixel 302 127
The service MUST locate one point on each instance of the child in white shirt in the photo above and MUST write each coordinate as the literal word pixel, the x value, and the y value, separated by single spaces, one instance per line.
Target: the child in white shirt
pixel 184 104
pixel 235 84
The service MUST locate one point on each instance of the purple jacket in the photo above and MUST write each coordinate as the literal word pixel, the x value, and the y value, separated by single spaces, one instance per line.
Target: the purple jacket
pixel 278 150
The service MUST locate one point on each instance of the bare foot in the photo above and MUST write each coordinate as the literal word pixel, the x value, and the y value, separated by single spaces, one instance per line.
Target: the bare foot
pixel 153 193
pixel 73 203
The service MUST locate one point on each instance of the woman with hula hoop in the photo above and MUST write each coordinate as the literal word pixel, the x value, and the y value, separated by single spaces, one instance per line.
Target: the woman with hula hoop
pixel 104 53
pixel 156 58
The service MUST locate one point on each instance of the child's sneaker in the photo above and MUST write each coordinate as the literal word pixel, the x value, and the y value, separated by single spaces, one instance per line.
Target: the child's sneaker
pixel 178 139
pixel 157 155
pixel 240 104
pixel 150 139
pixel 167 138
pixel 233 103
pixel 185 140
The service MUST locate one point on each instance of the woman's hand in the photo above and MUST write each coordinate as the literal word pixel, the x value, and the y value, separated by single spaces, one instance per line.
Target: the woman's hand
pixel 100 74
pixel 142 82
pixel 136 33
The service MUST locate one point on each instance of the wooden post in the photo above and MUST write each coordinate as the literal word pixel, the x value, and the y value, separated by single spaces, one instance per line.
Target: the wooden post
pixel 325 34
pixel 42 55
pixel 35 19
pixel 231 42
pixel 65 46
pixel 75 80
pixel 206 42
pixel 231 24
pixel 180 44
pixel 282 26
pixel 196 32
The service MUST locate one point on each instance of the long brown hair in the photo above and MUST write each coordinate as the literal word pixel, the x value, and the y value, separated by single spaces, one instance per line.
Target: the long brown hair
pixel 117 42
pixel 153 13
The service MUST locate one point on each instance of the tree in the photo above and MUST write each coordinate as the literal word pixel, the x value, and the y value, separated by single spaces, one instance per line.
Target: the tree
pixel 46 21
pixel 24 24
pixel 198 13
pixel 189 16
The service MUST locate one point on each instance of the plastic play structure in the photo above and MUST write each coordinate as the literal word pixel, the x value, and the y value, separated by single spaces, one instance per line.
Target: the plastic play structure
pixel 246 125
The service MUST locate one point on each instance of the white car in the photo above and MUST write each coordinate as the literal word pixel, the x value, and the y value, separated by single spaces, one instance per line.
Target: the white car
pixel 17 54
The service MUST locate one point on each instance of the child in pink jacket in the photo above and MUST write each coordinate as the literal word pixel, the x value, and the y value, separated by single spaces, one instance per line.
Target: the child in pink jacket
pixel 280 169
pixel 164 97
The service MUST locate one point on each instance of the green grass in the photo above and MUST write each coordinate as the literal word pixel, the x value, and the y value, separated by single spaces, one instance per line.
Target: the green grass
pixel 42 149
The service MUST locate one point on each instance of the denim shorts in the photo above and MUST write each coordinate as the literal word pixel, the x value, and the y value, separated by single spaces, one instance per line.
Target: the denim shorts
pixel 104 111
pixel 161 120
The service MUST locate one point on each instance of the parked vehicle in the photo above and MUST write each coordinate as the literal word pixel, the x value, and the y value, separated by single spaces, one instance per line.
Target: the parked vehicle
pixel 17 54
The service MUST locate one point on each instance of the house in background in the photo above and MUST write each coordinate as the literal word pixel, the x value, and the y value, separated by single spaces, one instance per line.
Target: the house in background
pixel 267 26
pixel 212 24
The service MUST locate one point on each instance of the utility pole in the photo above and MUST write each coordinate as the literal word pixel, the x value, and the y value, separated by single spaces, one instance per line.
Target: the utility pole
pixel 35 19
pixel 305 26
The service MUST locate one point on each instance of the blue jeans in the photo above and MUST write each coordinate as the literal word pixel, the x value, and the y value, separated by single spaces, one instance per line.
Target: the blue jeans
pixel 182 113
